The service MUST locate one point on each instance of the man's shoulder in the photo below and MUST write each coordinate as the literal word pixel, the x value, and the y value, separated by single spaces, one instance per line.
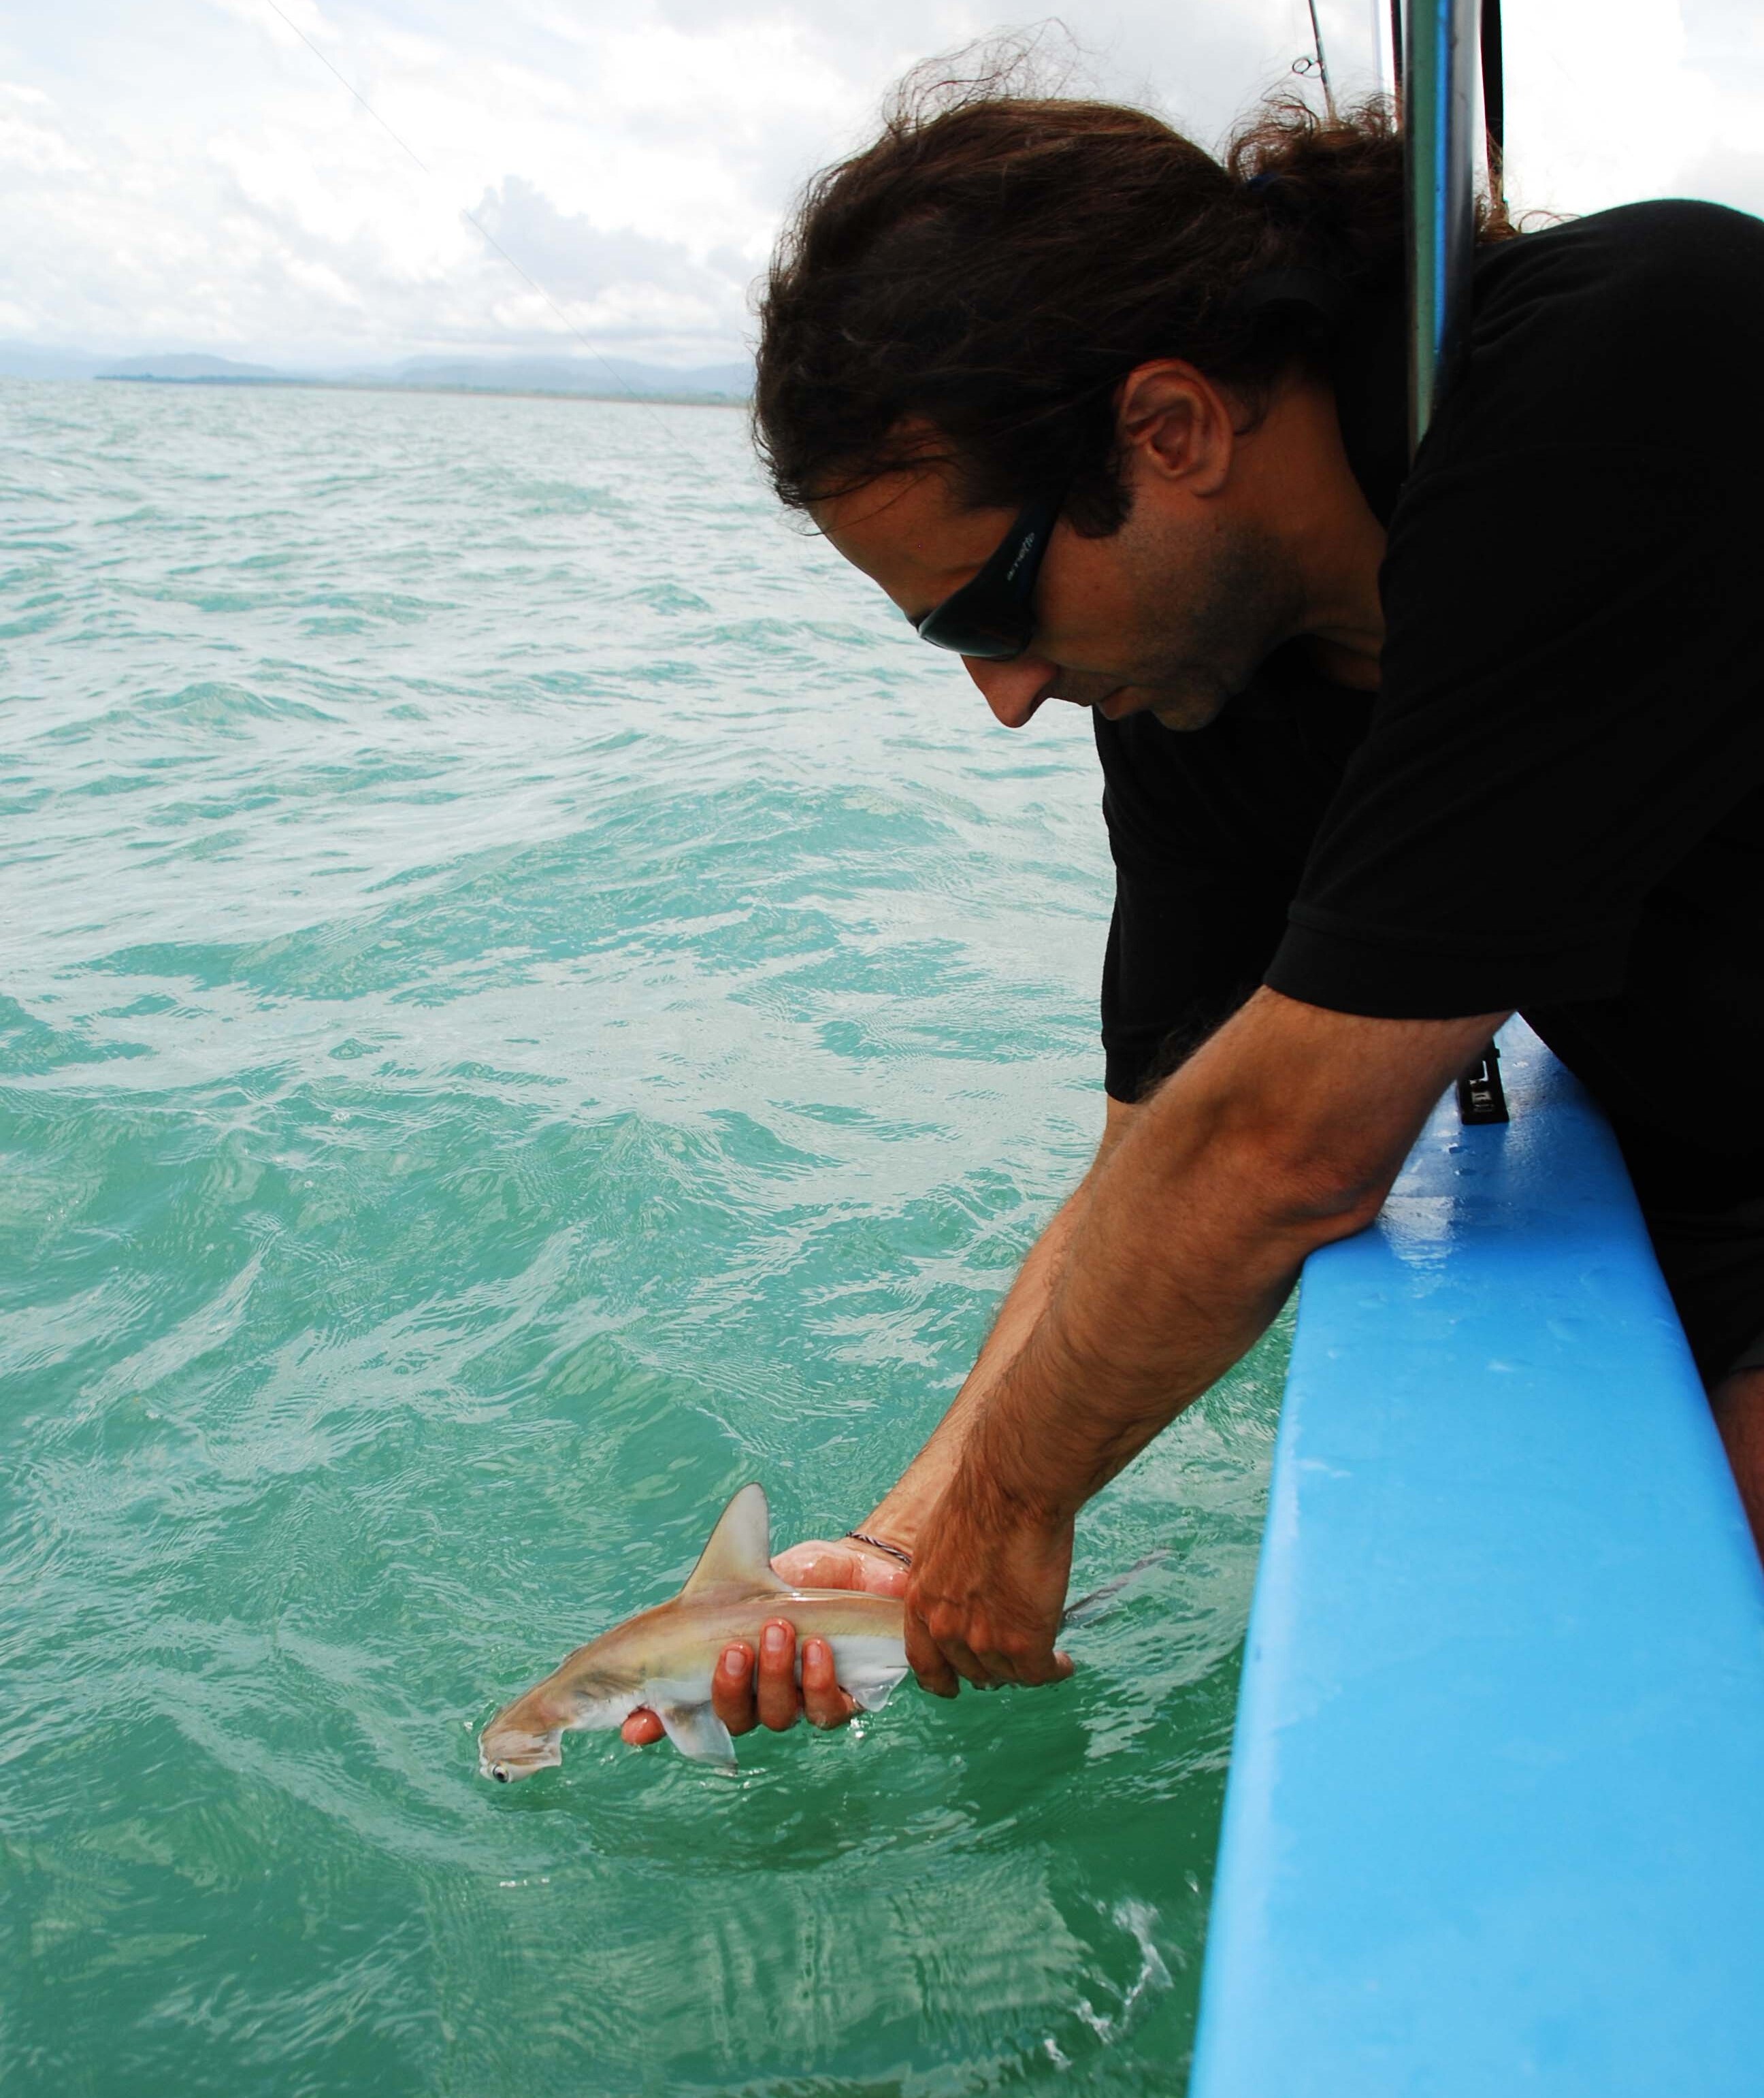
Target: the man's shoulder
pixel 1661 228
pixel 1646 321
pixel 1674 277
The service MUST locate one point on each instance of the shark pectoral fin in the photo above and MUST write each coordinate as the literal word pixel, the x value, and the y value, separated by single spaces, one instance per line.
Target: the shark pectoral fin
pixel 738 1553
pixel 696 1731
pixel 871 1692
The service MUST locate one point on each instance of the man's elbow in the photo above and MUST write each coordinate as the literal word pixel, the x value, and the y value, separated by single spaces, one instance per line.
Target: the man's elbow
pixel 1324 1204
pixel 1317 1110
pixel 1345 1208
pixel 1314 1193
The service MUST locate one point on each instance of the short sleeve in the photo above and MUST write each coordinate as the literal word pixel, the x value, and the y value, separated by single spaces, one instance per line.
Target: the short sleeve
pixel 1572 693
pixel 1571 699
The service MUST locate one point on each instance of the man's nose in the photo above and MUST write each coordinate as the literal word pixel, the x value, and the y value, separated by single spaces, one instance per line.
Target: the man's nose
pixel 1012 689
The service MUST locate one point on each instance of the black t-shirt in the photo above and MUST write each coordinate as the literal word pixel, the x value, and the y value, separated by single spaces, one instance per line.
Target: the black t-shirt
pixel 1555 801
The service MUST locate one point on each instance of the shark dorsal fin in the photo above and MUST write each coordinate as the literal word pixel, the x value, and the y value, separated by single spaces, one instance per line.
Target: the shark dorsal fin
pixel 739 1554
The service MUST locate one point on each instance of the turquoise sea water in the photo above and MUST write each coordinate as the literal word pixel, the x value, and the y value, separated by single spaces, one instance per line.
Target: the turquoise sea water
pixel 529 999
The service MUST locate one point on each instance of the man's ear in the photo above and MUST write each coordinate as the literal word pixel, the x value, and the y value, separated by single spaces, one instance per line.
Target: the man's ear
pixel 1176 425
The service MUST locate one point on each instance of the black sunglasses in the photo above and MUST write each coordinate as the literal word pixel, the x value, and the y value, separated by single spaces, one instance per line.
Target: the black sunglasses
pixel 992 617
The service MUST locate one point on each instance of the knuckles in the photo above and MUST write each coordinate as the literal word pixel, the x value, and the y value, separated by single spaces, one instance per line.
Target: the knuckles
pixel 1021 1647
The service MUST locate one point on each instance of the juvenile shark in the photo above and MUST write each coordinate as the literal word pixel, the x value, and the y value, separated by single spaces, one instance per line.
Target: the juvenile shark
pixel 665 1658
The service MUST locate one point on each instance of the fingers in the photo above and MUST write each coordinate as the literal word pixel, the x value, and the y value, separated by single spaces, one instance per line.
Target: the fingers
pixel 742 1699
pixel 731 1689
pixel 779 1704
pixel 745 1697
pixel 823 1702
pixel 941 1658
pixel 1026 1668
pixel 927 1659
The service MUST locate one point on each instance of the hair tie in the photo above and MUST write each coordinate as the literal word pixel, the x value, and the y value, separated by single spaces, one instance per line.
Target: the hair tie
pixel 1317 292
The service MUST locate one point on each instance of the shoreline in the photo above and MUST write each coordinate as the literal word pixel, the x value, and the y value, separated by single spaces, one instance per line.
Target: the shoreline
pixel 394 386
pixel 494 393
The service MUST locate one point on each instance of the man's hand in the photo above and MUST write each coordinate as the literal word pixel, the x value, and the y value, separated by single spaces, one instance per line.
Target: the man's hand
pixel 987 1589
pixel 744 1697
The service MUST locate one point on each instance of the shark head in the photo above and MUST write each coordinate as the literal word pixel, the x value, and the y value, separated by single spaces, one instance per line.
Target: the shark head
pixel 519 1741
pixel 523 1737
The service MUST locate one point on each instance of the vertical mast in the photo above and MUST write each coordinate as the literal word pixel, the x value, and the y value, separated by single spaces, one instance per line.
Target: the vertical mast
pixel 1438 72
pixel 1438 66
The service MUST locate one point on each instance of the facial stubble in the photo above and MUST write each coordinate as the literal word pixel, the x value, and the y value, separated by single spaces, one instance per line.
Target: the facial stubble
pixel 1213 615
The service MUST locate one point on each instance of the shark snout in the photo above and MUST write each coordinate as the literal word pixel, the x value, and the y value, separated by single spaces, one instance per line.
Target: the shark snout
pixel 508 1750
pixel 505 1763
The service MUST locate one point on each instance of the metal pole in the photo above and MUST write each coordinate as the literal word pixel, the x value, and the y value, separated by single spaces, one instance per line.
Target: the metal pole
pixel 1439 99
pixel 1439 154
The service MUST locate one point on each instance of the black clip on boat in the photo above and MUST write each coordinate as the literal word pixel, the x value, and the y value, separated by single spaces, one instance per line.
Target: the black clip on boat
pixel 1480 1096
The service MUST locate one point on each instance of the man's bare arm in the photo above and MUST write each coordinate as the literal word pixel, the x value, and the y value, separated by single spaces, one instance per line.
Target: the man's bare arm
pixel 1284 1132
pixel 762 1689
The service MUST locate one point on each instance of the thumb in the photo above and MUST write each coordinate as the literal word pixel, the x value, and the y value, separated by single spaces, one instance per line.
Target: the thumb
pixel 640 1728
pixel 819 1563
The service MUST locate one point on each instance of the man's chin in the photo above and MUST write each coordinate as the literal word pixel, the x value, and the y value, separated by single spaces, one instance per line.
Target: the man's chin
pixel 1187 711
pixel 1179 707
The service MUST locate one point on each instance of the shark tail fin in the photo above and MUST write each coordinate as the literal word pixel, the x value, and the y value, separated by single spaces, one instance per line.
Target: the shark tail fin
pixel 739 1552
pixel 1100 1601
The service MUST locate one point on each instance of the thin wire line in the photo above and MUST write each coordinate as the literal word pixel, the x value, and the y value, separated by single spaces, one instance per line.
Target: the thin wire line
pixel 476 224
pixel 361 97
pixel 1316 37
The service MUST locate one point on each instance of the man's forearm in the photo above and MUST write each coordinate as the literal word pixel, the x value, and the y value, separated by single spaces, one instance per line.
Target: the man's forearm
pixel 1173 1271
pixel 1171 1267
pixel 1271 1143
pixel 1283 1132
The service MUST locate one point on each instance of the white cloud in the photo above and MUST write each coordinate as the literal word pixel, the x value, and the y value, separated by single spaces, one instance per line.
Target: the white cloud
pixel 1602 107
pixel 37 149
pixel 193 176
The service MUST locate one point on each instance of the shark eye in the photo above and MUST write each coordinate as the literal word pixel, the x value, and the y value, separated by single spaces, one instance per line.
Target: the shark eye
pixel 499 1771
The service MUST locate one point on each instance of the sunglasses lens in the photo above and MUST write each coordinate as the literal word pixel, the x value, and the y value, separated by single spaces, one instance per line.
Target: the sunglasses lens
pixel 992 617
pixel 969 631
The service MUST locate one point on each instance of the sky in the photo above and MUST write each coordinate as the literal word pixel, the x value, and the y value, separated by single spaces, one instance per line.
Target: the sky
pixel 192 175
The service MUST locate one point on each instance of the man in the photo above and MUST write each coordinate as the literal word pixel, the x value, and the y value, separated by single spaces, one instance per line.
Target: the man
pixel 1389 752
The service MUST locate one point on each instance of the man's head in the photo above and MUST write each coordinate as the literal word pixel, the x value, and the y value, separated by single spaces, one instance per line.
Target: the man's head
pixel 1171 612
pixel 1019 301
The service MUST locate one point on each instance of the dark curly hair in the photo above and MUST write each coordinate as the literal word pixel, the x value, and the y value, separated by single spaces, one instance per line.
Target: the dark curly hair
pixel 996 263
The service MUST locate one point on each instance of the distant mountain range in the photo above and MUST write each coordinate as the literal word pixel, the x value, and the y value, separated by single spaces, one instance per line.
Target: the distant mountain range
pixel 611 378
pixel 186 366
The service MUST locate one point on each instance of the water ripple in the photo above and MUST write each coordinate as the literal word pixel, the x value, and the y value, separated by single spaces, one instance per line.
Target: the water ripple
pixel 530 1000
